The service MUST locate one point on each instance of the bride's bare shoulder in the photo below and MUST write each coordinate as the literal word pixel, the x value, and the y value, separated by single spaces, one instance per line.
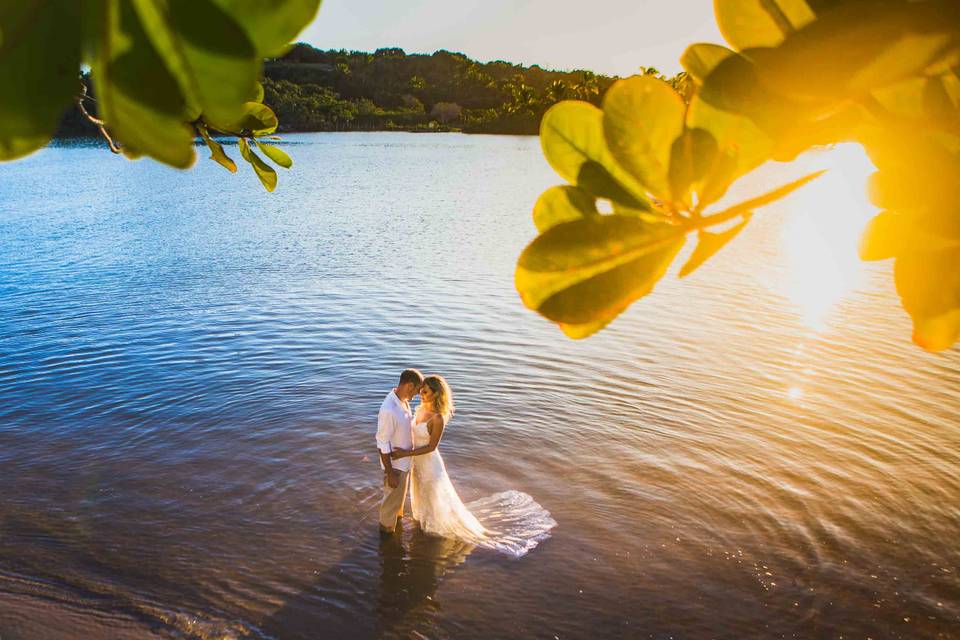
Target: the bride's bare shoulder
pixel 435 421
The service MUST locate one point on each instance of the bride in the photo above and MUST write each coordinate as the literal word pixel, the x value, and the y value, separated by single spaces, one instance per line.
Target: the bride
pixel 517 522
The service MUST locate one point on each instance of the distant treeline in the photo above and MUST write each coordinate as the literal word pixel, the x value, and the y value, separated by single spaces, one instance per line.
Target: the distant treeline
pixel 315 90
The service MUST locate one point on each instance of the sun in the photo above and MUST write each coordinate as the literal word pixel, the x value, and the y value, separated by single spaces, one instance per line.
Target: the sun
pixel 820 238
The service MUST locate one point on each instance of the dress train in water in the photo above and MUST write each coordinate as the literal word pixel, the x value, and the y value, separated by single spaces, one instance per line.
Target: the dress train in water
pixel 512 521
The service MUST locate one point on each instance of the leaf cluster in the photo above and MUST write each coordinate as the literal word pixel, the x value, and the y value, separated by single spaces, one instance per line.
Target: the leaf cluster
pixel 658 169
pixel 164 71
pixel 885 74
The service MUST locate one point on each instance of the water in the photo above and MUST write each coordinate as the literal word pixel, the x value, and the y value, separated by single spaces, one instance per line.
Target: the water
pixel 190 370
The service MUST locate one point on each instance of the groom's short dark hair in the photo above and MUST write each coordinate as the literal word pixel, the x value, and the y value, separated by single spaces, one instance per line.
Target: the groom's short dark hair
pixel 411 375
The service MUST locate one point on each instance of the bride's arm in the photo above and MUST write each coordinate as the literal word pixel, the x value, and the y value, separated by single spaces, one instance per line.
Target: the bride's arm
pixel 435 426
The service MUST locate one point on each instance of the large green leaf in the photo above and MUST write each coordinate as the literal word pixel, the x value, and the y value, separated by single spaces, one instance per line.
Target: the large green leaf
pixel 847 53
pixel 571 135
pixel 140 100
pixel 271 25
pixel 642 116
pixel 929 286
pixel 562 204
pixel 583 273
pixel 39 69
pixel 760 23
pixel 208 53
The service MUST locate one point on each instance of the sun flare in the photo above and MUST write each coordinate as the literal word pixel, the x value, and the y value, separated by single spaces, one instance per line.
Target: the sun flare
pixel 820 237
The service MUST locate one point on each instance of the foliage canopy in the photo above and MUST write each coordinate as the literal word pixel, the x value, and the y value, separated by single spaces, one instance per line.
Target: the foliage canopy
pixel 165 71
pixel 797 74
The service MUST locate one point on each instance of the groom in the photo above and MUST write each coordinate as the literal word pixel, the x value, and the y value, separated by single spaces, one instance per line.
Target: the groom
pixel 395 431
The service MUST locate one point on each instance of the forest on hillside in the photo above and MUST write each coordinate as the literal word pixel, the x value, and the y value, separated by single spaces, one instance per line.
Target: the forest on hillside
pixel 337 90
pixel 314 90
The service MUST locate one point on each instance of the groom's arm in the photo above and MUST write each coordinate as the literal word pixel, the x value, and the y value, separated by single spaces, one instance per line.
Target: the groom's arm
pixel 385 429
pixel 435 426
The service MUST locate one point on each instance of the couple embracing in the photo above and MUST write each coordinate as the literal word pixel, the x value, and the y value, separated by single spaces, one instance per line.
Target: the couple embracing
pixel 512 522
pixel 407 443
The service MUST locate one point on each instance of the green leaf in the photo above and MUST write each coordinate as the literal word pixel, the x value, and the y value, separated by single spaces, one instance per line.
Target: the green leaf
pixel 895 41
pixel 207 52
pixel 890 234
pixel 571 135
pixel 140 100
pixel 562 204
pixel 217 153
pixel 642 116
pixel 266 173
pixel 718 179
pixel 39 70
pixel 258 119
pixel 271 25
pixel 585 330
pixel 929 286
pixel 904 99
pixel 582 274
pixel 760 23
pixel 938 332
pixel 734 86
pixel 917 176
pixel 882 237
pixel 692 155
pixel 276 154
pixel 737 136
pixel 708 245
pixel 789 126
pixel 702 58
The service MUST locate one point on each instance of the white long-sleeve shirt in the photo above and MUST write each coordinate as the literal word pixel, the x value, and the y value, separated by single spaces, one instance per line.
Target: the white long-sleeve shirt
pixel 395 429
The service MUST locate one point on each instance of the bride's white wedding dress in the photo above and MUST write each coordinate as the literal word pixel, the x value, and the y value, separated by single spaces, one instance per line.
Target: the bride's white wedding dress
pixel 515 523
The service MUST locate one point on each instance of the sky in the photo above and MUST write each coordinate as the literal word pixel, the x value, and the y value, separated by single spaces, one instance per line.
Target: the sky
pixel 606 36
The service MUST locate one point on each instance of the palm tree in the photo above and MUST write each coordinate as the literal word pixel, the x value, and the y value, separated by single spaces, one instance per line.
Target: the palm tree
pixel 523 97
pixel 556 91
pixel 588 88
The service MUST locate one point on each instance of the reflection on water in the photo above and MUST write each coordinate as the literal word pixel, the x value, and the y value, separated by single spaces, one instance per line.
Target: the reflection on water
pixel 190 370
pixel 397 587
pixel 411 566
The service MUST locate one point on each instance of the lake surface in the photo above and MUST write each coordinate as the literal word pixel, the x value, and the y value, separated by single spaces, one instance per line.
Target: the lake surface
pixel 190 370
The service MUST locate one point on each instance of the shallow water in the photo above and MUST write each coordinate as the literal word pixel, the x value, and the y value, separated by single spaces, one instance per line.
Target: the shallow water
pixel 190 370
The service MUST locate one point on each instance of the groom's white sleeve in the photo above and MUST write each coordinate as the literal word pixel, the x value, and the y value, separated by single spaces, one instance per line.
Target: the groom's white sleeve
pixel 384 432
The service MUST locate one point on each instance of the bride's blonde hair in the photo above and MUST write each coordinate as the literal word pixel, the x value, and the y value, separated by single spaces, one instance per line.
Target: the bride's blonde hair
pixel 442 396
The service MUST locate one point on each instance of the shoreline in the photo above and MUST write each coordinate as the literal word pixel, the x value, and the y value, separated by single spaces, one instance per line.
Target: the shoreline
pixel 231 139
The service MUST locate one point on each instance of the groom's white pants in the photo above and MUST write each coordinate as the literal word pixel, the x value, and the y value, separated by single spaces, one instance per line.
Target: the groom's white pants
pixel 393 500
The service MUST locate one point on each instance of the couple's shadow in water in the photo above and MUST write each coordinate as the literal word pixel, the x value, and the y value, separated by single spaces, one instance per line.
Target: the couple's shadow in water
pixel 384 587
